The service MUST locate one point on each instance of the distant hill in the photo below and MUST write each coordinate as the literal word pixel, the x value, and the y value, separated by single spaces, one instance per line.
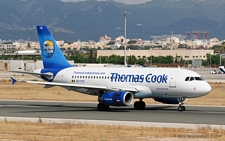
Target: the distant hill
pixel 91 19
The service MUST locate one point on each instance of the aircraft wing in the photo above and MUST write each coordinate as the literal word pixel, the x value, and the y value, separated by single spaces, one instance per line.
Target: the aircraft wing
pixel 130 89
pixel 67 84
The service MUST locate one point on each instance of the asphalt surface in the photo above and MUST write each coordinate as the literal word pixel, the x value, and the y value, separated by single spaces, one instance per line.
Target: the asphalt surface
pixel 88 111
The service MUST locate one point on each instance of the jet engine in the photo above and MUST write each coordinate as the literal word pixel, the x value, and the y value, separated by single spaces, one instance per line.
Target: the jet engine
pixel 116 98
pixel 171 100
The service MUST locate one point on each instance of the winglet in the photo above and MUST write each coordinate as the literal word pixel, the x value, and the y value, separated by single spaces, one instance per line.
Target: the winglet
pixel 13 81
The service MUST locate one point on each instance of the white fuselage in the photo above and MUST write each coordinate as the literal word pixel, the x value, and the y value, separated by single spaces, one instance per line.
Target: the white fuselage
pixel 149 82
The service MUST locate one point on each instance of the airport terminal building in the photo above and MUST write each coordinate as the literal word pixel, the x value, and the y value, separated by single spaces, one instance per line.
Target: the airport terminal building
pixel 185 54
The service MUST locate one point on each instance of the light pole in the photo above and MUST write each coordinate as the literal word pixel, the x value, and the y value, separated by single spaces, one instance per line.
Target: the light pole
pixel 125 41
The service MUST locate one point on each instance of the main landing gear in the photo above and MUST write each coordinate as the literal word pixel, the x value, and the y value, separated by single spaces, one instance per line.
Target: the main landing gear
pixel 181 108
pixel 103 107
pixel 139 105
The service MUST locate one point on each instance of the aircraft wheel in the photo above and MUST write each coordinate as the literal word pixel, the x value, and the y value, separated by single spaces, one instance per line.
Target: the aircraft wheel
pixel 181 108
pixel 142 105
pixel 139 105
pixel 103 107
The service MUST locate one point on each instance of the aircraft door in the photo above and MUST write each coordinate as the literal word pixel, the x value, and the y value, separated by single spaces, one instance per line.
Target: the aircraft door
pixel 173 80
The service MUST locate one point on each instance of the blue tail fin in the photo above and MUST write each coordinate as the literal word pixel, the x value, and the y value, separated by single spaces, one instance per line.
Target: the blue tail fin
pixel 52 56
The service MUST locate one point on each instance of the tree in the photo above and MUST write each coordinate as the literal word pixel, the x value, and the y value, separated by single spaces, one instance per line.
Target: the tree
pixel 28 45
pixel 182 46
pixel 182 61
pixel 80 58
pixel 223 45
pixel 215 59
pixel 147 47
pixel 111 43
pixel 152 59
pixel 132 60
pixel 208 60
pixel 176 60
pixel 114 59
pixel 141 61
pixel 103 59
pixel 169 59
pixel 134 47
pixel 132 42
pixel 161 60
pixel 90 58
pixel 120 48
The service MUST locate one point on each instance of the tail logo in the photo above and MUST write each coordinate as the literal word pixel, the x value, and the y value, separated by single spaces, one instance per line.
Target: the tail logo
pixel 48 48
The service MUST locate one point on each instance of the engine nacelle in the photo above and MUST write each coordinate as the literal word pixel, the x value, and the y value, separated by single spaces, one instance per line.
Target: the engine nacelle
pixel 116 98
pixel 171 100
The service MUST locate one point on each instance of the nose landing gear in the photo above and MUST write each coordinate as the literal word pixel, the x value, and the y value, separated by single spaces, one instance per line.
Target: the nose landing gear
pixel 181 107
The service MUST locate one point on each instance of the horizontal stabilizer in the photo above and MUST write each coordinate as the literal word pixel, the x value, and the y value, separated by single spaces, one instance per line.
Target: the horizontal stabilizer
pixel 32 73
pixel 13 81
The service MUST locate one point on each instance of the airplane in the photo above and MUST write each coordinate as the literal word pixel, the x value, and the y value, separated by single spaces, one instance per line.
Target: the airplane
pixel 116 86
pixel 222 69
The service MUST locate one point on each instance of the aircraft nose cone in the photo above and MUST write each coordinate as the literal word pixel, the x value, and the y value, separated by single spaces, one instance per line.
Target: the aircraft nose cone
pixel 207 88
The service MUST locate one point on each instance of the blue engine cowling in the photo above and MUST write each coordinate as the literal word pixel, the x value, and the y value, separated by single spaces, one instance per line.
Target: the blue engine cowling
pixel 116 98
pixel 171 100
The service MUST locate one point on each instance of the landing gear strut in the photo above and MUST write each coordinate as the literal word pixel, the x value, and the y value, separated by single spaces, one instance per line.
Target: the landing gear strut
pixel 103 107
pixel 139 105
pixel 181 108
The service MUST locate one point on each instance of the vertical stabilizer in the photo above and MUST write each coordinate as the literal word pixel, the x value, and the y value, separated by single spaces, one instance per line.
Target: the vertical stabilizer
pixel 52 56
pixel 222 69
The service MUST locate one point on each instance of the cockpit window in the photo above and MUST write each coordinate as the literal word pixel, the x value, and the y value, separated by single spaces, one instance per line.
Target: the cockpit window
pixel 199 78
pixel 187 78
pixel 194 78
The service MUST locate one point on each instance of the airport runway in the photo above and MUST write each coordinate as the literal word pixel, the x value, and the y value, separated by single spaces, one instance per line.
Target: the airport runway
pixel 152 113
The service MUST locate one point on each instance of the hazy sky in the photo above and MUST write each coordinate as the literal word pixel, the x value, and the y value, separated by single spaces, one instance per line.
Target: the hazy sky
pixel 122 1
